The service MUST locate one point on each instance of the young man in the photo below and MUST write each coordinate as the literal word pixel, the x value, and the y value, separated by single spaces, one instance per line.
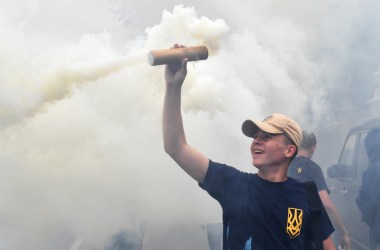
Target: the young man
pixel 368 200
pixel 304 169
pixel 260 211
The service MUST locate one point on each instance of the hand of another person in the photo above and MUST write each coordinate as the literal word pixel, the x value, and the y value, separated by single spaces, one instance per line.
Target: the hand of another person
pixel 345 242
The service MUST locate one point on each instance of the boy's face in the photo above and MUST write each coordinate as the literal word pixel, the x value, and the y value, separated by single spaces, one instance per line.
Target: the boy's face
pixel 270 149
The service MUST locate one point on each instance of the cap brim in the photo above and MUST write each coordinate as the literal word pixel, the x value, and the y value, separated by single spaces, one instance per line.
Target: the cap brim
pixel 250 128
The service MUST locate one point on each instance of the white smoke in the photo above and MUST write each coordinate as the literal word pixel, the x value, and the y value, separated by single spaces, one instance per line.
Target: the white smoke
pixel 81 151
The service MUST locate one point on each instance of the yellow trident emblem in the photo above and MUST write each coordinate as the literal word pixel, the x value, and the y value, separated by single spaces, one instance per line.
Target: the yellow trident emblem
pixel 293 227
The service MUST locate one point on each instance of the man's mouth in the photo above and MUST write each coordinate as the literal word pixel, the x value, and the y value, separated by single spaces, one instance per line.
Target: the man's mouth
pixel 258 151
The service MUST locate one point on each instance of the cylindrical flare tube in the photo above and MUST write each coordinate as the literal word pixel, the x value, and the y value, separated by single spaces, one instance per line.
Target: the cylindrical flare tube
pixel 168 56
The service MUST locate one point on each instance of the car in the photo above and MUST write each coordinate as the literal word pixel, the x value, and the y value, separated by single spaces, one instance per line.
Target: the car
pixel 345 179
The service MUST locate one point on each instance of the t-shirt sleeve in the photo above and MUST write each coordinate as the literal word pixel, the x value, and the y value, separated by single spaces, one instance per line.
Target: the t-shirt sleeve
pixel 319 178
pixel 217 179
pixel 327 227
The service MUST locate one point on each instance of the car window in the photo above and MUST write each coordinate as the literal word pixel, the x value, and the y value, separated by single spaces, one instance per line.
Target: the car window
pixel 362 158
pixel 347 158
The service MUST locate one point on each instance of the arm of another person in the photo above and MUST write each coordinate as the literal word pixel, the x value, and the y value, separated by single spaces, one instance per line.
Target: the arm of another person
pixel 335 218
pixel 189 159
pixel 330 208
pixel 328 244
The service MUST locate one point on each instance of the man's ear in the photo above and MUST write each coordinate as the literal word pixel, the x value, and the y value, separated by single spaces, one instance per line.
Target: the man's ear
pixel 290 151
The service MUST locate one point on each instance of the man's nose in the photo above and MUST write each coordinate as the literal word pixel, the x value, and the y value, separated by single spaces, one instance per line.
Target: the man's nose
pixel 257 140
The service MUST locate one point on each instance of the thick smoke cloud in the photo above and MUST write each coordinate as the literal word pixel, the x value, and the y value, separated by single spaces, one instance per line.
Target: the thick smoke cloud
pixel 81 151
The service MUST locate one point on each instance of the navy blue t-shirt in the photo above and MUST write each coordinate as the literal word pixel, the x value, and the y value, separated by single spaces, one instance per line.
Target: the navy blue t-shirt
pixel 303 169
pixel 261 215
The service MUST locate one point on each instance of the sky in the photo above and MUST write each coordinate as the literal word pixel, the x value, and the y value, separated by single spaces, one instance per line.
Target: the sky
pixel 81 152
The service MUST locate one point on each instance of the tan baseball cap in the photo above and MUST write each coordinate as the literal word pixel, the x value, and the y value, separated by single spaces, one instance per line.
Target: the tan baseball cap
pixel 275 124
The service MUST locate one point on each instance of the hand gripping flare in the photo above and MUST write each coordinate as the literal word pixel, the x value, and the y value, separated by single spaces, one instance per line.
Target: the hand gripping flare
pixel 168 56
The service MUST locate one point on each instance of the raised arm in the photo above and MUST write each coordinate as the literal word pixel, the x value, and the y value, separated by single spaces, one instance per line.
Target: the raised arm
pixel 188 158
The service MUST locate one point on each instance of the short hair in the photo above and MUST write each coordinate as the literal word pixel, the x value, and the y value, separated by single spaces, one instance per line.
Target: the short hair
pixel 308 140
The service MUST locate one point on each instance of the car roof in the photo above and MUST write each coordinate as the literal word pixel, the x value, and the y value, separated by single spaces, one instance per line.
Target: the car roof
pixel 371 123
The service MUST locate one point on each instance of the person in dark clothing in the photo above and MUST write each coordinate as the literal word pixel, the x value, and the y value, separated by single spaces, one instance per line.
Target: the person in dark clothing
pixel 261 211
pixel 304 169
pixel 125 240
pixel 368 200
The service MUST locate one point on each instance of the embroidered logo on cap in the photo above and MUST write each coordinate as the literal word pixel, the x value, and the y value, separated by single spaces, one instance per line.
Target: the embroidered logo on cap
pixel 268 118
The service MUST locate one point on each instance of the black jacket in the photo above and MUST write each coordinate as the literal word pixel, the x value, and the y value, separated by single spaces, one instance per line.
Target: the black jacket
pixel 368 200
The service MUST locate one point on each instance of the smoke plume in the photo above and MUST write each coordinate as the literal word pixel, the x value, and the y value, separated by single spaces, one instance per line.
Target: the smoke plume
pixel 81 152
